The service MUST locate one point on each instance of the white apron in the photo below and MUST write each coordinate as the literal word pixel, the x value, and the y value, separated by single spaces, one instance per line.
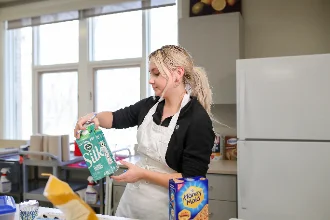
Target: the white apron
pixel 144 200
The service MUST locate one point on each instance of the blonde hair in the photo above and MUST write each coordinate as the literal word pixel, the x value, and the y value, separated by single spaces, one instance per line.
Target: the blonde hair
pixel 169 57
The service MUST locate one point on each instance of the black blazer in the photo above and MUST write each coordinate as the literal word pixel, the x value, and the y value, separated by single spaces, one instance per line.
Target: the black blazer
pixel 190 147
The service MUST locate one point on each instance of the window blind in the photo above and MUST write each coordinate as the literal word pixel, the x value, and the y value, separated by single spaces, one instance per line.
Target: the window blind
pixel 43 19
pixel 118 7
pixel 126 6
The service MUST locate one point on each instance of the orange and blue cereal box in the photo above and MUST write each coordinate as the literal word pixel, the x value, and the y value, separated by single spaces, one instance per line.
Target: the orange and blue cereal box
pixel 188 199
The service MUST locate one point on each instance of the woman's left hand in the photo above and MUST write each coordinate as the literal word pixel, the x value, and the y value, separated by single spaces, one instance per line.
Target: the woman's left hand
pixel 132 175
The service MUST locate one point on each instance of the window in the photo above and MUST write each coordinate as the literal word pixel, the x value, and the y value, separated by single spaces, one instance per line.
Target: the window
pixel 114 89
pixel 58 43
pixel 117 36
pixel 163 31
pixel 18 98
pixel 49 66
pixel 59 103
pixel 57 89
pixel 163 27
pixel 57 47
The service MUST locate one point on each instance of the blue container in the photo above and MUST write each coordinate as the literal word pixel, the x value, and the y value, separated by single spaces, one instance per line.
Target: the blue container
pixel 7 208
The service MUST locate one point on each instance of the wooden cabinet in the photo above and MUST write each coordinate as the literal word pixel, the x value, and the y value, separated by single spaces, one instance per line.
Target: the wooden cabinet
pixel 215 43
pixel 222 196
pixel 222 187
pixel 222 210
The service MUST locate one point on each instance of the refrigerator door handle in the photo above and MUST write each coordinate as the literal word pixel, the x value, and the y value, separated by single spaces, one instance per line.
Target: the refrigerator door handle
pixel 243 175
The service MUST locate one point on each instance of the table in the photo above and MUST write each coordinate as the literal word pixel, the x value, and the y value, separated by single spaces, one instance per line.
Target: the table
pixel 43 210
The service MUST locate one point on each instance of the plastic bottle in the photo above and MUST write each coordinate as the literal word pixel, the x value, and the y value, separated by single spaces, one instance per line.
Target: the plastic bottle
pixel 91 194
pixel 5 184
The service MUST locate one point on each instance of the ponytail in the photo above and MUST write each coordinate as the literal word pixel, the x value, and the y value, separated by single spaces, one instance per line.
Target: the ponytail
pixel 200 87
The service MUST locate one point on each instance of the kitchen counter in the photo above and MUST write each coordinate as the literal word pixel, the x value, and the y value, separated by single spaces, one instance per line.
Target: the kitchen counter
pixel 52 212
pixel 215 167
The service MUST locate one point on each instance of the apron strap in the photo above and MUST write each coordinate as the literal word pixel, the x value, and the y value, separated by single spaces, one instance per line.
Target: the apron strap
pixel 175 117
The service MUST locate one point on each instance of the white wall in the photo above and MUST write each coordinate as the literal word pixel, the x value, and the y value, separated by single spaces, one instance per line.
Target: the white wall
pixel 282 27
pixel 279 28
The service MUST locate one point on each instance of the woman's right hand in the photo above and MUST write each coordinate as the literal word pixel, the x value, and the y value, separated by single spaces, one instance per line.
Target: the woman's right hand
pixel 80 123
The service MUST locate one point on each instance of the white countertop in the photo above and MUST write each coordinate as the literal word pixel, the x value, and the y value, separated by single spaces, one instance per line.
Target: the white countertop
pixel 44 210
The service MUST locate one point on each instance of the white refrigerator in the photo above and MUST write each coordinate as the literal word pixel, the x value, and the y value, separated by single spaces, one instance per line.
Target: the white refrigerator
pixel 283 129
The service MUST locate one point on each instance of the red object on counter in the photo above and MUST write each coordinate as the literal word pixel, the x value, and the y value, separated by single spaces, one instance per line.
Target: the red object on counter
pixel 77 151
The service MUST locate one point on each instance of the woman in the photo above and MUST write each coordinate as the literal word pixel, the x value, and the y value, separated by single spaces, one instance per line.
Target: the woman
pixel 175 134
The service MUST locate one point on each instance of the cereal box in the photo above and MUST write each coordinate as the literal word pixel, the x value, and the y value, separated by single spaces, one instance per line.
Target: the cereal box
pixel 96 153
pixel 188 198
pixel 231 147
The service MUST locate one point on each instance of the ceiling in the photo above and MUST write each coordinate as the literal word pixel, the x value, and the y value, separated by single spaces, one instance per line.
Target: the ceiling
pixel 8 3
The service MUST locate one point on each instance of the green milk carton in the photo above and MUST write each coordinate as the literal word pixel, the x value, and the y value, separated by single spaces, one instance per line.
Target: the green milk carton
pixel 96 153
